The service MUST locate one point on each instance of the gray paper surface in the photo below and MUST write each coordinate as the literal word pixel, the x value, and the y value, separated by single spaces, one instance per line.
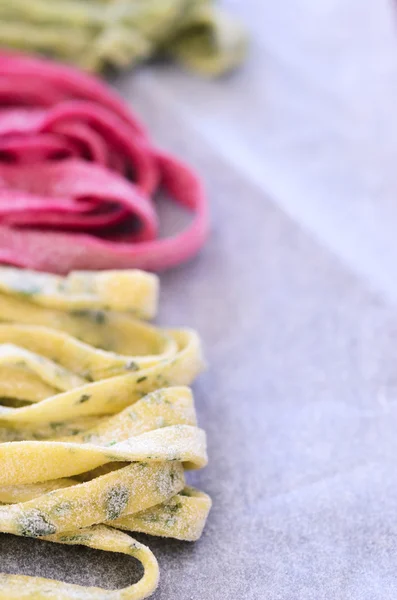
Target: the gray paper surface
pixel 299 403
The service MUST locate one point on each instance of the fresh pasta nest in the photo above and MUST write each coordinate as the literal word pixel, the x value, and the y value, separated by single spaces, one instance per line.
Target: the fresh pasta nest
pixel 94 34
pixel 97 426
pixel 77 164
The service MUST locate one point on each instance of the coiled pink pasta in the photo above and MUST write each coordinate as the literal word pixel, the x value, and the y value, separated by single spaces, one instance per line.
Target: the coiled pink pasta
pixel 77 175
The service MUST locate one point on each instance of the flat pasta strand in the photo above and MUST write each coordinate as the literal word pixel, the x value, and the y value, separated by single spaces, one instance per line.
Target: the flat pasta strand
pixel 181 517
pixel 97 426
pixel 133 291
pixel 20 587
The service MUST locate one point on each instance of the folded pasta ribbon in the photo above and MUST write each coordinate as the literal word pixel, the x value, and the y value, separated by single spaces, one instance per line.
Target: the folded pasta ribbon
pixel 95 440
pixel 79 174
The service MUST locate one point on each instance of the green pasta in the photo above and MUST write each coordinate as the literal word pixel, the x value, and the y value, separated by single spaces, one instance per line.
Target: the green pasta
pixel 94 34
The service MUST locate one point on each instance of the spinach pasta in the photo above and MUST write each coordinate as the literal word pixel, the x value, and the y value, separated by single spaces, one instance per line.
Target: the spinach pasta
pixel 93 34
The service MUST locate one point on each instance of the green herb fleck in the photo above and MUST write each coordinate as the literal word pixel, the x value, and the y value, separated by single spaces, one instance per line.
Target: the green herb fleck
pixel 35 524
pixel 131 366
pixel 62 508
pixel 173 508
pixel 98 316
pixel 116 501
pixel 75 539
pixel 150 518
pixel 140 379
pixel 56 424
pixel 87 375
pixel 83 398
pixel 74 431
pixel 26 288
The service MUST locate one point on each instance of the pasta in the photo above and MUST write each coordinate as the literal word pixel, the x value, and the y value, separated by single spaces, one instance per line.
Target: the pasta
pixel 123 32
pixel 97 426
pixel 76 163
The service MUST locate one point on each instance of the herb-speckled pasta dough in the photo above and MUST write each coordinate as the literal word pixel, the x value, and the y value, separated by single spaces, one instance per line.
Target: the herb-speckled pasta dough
pixel 96 424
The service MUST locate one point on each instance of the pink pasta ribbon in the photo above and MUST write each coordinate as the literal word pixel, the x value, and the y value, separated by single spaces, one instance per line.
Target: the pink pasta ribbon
pixel 78 173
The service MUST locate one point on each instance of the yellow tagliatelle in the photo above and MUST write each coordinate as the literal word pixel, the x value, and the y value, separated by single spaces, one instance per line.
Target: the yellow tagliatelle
pixel 96 424
pixel 133 291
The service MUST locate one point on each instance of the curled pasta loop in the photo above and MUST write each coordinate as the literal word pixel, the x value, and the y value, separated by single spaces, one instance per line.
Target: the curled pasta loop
pixel 97 424
pixel 20 587
pixel 76 163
